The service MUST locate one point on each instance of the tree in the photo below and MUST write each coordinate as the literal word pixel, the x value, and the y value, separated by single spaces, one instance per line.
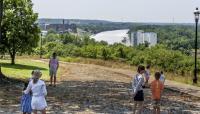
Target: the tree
pixel 106 53
pixel 20 32
pixel 50 38
pixel 146 43
pixel 1 16
pixel 121 53
pixel 51 31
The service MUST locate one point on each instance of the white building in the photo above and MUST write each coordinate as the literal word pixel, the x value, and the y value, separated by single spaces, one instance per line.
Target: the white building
pixel 44 33
pixel 140 37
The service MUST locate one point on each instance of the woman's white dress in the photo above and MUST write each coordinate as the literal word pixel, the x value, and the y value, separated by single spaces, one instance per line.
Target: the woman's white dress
pixel 38 94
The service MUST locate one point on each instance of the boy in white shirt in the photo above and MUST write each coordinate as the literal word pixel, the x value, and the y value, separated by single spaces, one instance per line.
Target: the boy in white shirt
pixel 162 77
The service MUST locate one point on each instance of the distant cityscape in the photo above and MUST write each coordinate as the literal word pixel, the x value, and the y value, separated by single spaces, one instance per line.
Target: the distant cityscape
pixel 58 27
pixel 133 38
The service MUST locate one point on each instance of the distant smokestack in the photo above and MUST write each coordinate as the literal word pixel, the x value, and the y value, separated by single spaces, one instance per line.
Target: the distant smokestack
pixel 63 26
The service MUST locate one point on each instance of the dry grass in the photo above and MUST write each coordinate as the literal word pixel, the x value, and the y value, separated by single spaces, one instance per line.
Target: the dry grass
pixel 187 79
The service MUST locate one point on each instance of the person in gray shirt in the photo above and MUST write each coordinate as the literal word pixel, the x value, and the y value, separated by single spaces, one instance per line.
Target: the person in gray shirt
pixel 138 95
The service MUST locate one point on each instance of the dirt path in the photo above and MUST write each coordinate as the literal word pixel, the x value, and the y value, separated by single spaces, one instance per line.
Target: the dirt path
pixel 91 89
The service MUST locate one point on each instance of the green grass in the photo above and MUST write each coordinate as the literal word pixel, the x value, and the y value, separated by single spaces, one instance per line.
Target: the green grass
pixel 108 63
pixel 23 68
pixel 187 79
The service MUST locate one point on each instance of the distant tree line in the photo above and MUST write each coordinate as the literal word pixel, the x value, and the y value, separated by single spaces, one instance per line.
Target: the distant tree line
pixel 100 27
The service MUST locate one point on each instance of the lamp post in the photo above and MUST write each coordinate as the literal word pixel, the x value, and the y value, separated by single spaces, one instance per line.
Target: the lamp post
pixel 41 46
pixel 196 14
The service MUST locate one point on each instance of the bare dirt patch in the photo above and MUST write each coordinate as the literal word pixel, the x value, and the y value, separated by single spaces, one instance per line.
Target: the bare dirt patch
pixel 92 89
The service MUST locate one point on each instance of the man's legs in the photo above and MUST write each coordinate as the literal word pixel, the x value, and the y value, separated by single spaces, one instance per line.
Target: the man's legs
pixel 51 76
pixel 51 79
pixel 135 107
pixel 43 111
pixel 54 80
pixel 34 111
pixel 54 75
pixel 154 110
pixel 158 110
pixel 140 103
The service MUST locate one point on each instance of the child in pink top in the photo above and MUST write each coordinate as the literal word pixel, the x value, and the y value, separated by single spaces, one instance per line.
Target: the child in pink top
pixel 53 67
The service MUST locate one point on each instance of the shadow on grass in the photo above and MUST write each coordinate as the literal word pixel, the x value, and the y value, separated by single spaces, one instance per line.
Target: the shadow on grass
pixel 20 66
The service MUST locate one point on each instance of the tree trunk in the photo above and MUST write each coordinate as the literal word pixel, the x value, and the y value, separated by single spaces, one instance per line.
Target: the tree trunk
pixel 1 76
pixel 1 16
pixel 12 56
pixel 13 59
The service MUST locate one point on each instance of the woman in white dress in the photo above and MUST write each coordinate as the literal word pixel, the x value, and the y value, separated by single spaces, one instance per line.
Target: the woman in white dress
pixel 39 92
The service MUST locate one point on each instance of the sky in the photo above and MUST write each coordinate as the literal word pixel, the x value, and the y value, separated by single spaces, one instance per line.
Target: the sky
pixel 163 11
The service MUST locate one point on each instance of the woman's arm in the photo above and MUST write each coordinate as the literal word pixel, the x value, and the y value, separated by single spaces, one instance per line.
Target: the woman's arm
pixel 44 90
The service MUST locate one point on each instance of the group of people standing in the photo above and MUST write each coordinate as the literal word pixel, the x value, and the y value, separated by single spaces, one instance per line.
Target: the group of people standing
pixel 34 93
pixel 141 81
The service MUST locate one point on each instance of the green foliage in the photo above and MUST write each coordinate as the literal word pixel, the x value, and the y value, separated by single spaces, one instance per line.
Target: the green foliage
pixel 51 37
pixel 106 53
pixel 100 27
pixel 89 51
pixel 51 31
pixel 159 56
pixel 19 30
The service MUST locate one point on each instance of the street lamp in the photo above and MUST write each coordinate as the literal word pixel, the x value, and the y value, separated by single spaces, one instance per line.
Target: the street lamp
pixel 196 14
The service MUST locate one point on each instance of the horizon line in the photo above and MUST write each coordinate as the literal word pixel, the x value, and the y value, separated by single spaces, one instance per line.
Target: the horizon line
pixel 119 21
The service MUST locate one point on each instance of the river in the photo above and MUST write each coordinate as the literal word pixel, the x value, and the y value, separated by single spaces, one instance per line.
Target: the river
pixel 115 36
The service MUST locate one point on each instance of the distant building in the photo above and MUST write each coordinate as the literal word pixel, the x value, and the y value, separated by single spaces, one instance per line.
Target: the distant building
pixel 140 37
pixel 60 28
pixel 44 33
